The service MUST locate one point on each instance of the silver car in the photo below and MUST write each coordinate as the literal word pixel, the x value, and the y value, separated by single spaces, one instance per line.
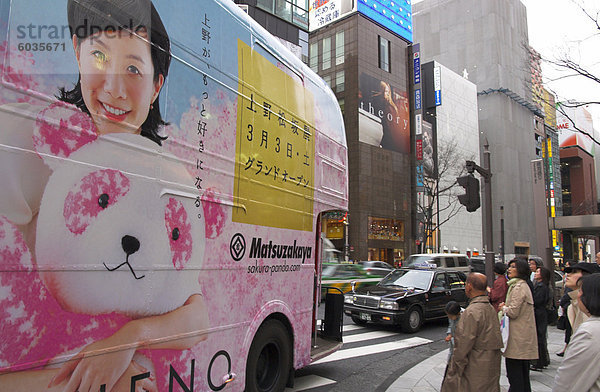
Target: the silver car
pixel 376 268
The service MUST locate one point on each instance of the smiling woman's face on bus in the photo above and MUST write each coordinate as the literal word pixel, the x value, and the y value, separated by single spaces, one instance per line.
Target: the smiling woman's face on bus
pixel 117 79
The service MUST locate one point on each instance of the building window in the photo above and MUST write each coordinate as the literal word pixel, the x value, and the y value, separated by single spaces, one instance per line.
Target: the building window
pixel 303 42
pixel 283 9
pixel 327 79
pixel 295 11
pixel 266 5
pixel 384 54
pixel 314 56
pixel 339 81
pixel 326 55
pixel 342 103
pixel 339 48
pixel 385 229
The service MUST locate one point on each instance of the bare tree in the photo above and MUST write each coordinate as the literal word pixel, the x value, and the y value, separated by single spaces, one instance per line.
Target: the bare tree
pixel 440 194
pixel 571 67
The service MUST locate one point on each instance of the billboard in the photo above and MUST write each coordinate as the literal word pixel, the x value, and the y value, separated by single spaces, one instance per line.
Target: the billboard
pixel 429 155
pixel 395 16
pixel 568 135
pixel 383 115
pixel 324 12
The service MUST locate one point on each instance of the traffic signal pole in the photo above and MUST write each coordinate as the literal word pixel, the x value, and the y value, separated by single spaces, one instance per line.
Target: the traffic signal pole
pixel 486 173
pixel 489 237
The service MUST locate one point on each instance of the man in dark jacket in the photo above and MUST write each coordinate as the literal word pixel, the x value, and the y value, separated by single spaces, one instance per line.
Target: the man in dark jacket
pixel 475 365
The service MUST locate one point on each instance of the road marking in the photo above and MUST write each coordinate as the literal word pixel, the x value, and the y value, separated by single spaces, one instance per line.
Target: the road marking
pixel 345 328
pixel 350 327
pixel 309 382
pixel 373 349
pixel 359 337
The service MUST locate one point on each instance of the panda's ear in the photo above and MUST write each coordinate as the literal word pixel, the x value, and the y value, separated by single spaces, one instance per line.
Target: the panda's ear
pixel 61 129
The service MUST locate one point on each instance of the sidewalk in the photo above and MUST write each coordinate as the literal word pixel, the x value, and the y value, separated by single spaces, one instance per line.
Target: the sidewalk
pixel 427 375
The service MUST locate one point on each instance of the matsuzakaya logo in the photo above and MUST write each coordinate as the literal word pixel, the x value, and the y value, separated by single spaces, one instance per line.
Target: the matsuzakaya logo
pixel 261 249
pixel 269 250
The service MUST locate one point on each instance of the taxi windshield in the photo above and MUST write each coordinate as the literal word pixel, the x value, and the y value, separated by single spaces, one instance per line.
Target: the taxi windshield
pixel 408 278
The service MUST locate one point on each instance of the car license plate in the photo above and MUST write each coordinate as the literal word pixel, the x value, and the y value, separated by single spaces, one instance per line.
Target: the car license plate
pixel 365 316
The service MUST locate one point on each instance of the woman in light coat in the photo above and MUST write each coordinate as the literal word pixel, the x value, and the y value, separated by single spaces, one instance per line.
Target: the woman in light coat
pixel 579 371
pixel 521 347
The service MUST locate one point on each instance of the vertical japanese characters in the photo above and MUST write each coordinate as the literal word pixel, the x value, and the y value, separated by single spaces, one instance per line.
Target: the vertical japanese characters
pixel 203 104
pixel 275 144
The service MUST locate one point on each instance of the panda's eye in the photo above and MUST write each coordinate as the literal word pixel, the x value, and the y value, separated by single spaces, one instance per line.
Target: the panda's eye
pixel 103 200
pixel 175 234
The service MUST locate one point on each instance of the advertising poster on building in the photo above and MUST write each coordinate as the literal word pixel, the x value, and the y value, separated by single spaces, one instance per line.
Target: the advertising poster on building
pixel 429 153
pixel 383 115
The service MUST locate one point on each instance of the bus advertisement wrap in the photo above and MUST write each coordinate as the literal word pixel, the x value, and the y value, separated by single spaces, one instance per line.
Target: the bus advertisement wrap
pixel 164 168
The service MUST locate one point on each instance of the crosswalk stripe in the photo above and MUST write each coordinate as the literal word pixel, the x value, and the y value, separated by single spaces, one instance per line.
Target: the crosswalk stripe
pixel 351 327
pixel 373 349
pixel 346 328
pixel 309 382
pixel 359 337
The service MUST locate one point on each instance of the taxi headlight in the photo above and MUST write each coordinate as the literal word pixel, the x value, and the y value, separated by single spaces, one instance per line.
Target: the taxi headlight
pixel 389 305
pixel 348 299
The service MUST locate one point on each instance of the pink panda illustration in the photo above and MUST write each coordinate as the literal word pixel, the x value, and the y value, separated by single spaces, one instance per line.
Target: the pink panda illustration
pixel 119 240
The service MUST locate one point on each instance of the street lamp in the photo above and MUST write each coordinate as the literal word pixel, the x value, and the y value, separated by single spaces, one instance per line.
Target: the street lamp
pixel 346 246
pixel 502 233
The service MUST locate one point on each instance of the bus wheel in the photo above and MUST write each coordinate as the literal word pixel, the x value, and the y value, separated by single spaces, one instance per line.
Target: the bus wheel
pixel 269 359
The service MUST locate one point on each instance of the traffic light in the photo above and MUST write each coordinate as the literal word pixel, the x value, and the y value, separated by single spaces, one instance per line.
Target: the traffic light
pixel 471 197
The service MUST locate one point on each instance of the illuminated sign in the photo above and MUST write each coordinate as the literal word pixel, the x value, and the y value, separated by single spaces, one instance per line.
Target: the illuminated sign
pixel 418 124
pixel 393 15
pixel 419 149
pixel 417 67
pixel 437 85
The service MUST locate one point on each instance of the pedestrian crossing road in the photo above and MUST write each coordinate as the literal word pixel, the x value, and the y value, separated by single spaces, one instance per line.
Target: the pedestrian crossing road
pixel 359 342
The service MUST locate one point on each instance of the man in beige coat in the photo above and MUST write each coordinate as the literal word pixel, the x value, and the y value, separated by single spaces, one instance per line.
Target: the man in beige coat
pixel 475 365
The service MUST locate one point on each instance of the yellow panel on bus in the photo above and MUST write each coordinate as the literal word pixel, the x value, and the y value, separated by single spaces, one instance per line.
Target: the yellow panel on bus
pixel 275 146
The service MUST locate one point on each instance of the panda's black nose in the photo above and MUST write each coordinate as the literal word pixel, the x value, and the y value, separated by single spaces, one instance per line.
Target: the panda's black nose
pixel 130 244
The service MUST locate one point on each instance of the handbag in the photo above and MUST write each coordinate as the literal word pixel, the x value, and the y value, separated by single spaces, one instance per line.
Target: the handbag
pixel 561 323
pixel 504 321
pixel 552 312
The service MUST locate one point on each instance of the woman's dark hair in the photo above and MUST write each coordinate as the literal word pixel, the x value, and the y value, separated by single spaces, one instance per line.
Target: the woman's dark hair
pixel 500 268
pixel 545 274
pixel 590 285
pixel 453 308
pixel 537 262
pixel 522 266
pixel 88 17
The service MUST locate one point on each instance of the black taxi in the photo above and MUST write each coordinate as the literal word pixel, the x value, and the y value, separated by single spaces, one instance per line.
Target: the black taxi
pixel 407 297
